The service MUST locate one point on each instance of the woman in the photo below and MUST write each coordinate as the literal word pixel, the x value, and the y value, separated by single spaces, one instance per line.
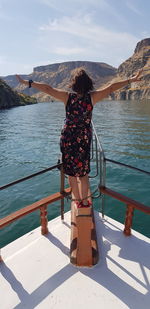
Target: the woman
pixel 76 135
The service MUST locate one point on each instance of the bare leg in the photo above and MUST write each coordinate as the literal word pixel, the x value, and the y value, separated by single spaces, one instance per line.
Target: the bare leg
pixel 74 186
pixel 84 188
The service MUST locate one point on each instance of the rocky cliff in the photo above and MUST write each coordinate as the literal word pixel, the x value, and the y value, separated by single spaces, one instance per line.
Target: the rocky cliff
pixel 10 98
pixel 58 75
pixel 139 60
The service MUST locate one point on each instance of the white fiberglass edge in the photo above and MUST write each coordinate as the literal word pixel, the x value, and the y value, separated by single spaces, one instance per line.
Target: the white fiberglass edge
pixel 36 272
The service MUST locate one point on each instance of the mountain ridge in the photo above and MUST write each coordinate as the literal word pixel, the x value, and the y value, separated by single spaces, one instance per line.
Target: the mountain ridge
pixel 58 75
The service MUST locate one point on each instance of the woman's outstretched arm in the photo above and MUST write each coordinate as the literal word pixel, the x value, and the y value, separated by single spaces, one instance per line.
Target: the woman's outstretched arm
pixel 59 94
pixel 98 95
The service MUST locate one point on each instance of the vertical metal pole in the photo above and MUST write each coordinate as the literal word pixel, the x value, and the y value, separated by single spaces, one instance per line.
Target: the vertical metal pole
pixel 96 151
pixel 62 186
pixel 100 159
pixel 104 183
pixel 102 179
pixel 92 148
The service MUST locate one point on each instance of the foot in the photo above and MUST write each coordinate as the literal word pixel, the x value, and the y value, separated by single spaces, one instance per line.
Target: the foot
pixel 88 204
pixel 79 204
pixel 82 205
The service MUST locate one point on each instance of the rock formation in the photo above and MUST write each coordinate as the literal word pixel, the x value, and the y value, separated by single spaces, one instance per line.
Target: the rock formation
pixel 139 60
pixel 10 98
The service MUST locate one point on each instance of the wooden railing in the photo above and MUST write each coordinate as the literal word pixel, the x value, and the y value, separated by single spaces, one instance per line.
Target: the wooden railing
pixel 39 205
pixel 101 171
pixel 131 205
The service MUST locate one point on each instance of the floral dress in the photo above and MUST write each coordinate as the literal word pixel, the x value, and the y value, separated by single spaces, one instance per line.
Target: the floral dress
pixel 76 135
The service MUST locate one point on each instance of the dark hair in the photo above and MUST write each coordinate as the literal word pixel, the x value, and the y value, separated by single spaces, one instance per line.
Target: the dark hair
pixel 80 81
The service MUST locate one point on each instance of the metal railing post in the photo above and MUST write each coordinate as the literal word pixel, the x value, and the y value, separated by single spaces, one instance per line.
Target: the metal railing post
pixel 102 179
pixel 62 186
pixel 96 156
pixel 92 148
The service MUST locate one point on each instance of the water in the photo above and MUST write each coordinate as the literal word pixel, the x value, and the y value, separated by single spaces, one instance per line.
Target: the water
pixel 29 142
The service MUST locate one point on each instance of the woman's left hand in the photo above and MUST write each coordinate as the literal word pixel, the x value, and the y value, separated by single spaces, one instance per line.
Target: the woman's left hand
pixel 137 77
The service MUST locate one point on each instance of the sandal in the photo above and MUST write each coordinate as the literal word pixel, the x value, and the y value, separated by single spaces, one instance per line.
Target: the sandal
pixel 81 205
pixel 87 205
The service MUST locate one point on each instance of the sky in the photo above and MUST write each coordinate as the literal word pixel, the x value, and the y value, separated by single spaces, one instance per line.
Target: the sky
pixel 41 32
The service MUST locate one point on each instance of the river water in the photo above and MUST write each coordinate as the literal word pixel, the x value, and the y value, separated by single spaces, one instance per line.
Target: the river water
pixel 29 142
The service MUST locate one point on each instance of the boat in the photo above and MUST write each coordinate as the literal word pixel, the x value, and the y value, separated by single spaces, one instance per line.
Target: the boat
pixel 81 258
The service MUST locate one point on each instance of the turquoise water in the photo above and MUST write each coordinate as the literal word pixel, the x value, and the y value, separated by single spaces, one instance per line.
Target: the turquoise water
pixel 29 142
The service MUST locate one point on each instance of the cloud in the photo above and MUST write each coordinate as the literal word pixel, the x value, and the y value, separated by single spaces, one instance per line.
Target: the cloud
pixel 133 8
pixel 8 67
pixel 83 27
pixel 85 35
pixel 73 25
pixel 100 6
pixel 68 51
pixel 2 60
pixel 57 4
pixel 144 34
pixel 50 3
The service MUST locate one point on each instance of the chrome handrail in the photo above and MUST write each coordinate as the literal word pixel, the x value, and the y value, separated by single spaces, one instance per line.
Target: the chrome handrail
pixel 101 163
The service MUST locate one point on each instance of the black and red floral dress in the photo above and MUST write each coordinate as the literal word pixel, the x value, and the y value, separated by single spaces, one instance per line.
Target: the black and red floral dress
pixel 76 135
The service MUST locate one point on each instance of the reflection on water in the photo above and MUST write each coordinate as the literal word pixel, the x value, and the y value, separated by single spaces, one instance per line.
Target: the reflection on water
pixel 29 142
pixel 136 156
